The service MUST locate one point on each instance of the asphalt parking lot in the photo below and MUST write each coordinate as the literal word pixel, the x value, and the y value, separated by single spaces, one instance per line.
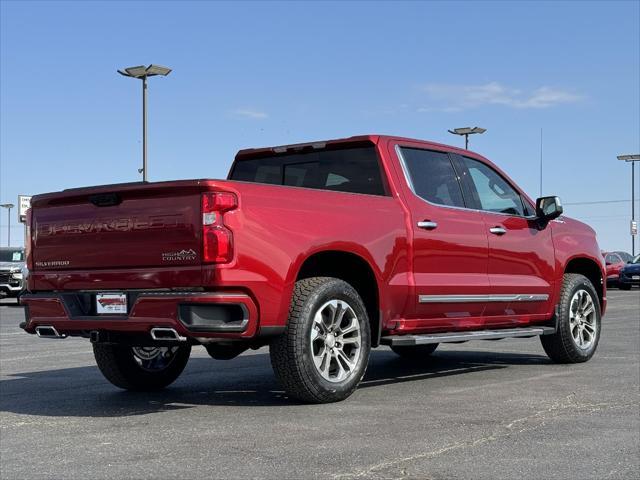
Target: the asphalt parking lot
pixel 475 410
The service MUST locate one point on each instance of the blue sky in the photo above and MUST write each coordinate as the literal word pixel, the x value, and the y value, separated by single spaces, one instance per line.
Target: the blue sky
pixel 254 74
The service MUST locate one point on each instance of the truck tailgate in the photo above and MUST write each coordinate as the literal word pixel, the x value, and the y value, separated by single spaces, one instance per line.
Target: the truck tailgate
pixel 119 226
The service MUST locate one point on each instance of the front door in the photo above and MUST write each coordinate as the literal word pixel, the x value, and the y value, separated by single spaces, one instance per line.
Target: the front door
pixel 521 253
pixel 450 246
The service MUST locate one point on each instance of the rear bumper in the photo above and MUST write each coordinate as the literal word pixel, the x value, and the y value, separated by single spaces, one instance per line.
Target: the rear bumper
pixel 232 315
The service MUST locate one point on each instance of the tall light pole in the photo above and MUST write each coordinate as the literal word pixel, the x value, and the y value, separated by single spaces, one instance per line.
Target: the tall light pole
pixel 466 131
pixel 141 72
pixel 8 206
pixel 634 226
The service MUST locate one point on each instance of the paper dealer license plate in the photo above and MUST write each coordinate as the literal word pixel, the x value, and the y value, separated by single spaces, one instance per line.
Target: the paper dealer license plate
pixel 111 303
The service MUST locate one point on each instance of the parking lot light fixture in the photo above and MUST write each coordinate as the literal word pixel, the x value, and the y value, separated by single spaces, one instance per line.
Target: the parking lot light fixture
pixel 142 73
pixel 8 206
pixel 632 159
pixel 465 132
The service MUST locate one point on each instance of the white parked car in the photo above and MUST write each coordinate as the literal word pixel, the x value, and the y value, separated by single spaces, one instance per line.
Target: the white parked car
pixel 12 271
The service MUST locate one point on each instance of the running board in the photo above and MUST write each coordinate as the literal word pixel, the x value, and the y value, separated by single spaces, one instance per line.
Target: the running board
pixel 451 337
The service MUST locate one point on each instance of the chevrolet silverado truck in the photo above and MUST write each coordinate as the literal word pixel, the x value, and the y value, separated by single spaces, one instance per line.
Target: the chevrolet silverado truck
pixel 322 251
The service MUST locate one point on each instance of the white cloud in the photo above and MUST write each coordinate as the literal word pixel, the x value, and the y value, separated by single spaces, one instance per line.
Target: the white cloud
pixel 454 98
pixel 250 113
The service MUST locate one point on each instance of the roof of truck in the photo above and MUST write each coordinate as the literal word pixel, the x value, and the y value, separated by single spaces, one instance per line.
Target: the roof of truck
pixel 355 140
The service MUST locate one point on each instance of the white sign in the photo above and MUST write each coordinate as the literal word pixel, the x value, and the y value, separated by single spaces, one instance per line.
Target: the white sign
pixel 24 203
pixel 634 227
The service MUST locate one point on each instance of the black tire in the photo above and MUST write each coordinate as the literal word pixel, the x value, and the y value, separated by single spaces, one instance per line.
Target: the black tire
pixel 120 366
pixel 415 352
pixel 292 355
pixel 624 286
pixel 561 346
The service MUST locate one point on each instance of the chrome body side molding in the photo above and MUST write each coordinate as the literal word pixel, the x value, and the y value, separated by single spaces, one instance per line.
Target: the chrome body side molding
pixel 522 297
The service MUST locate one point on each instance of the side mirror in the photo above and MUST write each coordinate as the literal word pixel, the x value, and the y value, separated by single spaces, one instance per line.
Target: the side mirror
pixel 548 208
pixel 607 263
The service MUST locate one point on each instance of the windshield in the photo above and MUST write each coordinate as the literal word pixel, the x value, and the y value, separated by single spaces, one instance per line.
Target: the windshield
pixel 626 257
pixel 636 259
pixel 16 255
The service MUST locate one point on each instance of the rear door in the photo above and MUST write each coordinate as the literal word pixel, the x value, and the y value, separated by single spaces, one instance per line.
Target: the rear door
pixel 450 248
pixel 521 253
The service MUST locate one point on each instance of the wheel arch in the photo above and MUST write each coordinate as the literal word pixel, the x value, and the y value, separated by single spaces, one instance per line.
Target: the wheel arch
pixel 590 269
pixel 357 272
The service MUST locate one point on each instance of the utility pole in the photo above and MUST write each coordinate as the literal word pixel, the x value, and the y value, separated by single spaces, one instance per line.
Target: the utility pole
pixel 141 73
pixel 8 206
pixel 465 132
pixel 540 162
pixel 633 226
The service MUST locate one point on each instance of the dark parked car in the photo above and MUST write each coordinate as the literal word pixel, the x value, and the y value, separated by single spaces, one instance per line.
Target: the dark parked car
pixel 630 274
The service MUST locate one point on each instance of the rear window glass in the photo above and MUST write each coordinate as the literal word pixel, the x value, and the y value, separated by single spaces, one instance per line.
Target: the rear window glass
pixel 354 170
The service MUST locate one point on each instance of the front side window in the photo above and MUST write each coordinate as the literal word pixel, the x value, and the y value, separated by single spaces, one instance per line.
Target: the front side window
pixel 494 193
pixel 433 177
pixel 355 170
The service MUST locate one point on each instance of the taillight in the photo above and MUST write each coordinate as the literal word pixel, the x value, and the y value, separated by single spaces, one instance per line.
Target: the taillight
pixel 27 240
pixel 217 239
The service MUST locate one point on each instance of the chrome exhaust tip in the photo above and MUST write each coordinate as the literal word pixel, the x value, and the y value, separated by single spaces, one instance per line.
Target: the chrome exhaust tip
pixel 164 334
pixel 48 331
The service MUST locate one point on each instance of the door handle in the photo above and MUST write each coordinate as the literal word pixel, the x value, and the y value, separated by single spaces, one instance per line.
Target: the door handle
pixel 427 225
pixel 497 230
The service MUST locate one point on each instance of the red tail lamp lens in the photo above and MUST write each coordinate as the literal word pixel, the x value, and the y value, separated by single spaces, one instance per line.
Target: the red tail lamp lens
pixel 217 239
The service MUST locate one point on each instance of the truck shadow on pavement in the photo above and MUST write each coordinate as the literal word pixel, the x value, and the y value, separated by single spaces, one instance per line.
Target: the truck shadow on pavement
pixel 245 381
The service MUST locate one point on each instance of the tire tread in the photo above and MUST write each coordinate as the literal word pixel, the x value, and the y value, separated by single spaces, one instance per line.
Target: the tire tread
pixel 559 346
pixel 286 350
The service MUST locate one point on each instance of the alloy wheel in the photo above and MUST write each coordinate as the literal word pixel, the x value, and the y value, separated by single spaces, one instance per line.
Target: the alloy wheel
pixel 583 319
pixel 154 359
pixel 336 341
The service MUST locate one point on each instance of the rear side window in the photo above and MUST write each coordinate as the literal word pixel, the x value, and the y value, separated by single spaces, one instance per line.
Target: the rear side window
pixel 354 170
pixel 433 177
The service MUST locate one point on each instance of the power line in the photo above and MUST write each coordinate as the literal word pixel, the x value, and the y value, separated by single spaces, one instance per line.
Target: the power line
pixel 598 202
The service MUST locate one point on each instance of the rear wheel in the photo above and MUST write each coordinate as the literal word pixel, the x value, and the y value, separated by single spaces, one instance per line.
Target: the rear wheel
pixel 141 368
pixel 624 286
pixel 578 322
pixel 323 353
pixel 415 352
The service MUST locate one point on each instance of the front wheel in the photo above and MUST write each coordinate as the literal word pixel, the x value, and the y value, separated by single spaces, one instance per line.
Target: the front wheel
pixel 323 353
pixel 624 286
pixel 578 322
pixel 141 368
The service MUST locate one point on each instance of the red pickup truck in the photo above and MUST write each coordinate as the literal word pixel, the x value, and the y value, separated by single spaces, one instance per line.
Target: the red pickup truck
pixel 321 251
